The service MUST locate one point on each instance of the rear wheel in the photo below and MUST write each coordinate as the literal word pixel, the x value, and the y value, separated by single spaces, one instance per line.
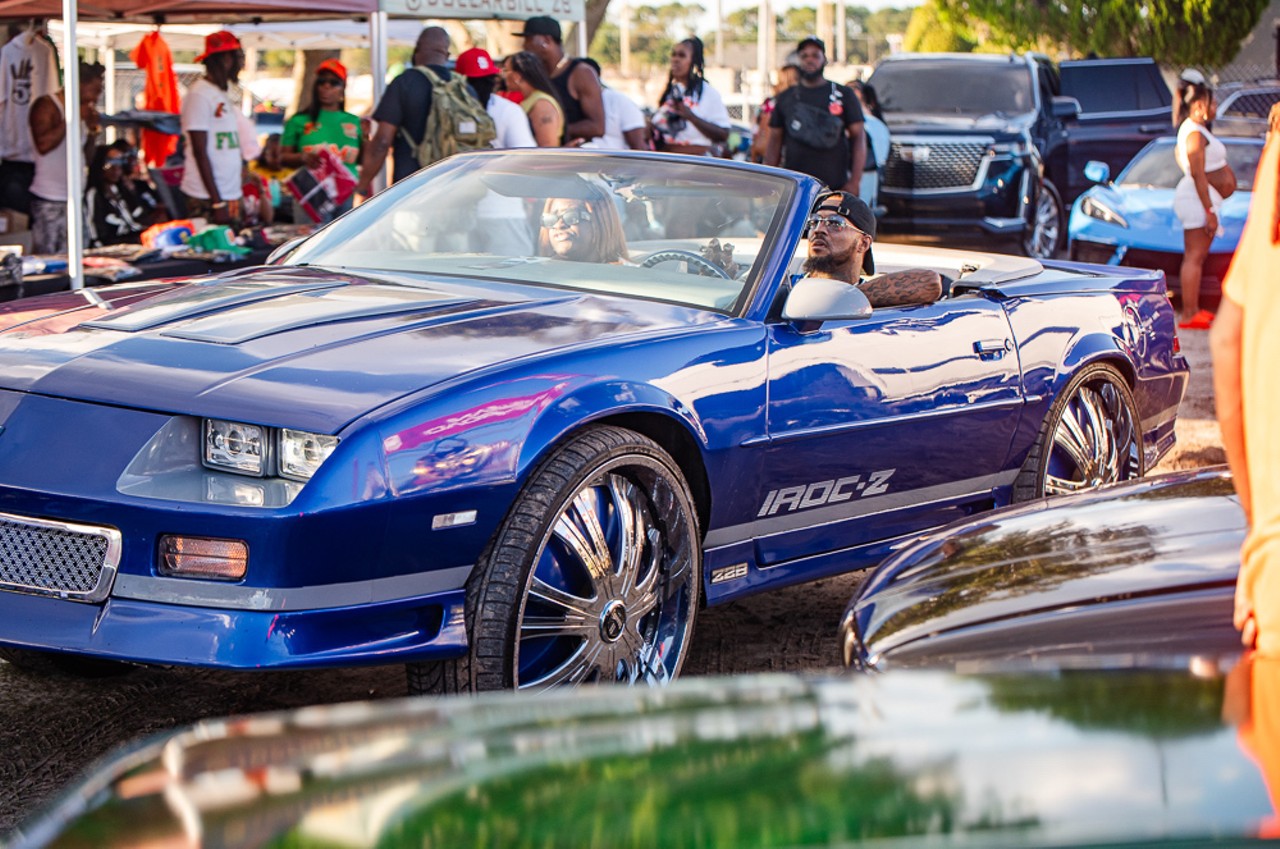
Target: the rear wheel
pixel 593 576
pixel 1090 437
pixel 68 665
pixel 1044 232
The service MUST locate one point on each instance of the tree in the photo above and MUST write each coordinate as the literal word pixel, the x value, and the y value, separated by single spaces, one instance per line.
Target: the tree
pixel 1206 33
pixel 930 31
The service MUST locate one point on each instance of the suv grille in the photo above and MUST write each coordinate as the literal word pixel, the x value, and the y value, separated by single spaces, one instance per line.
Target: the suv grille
pixel 948 166
pixel 57 558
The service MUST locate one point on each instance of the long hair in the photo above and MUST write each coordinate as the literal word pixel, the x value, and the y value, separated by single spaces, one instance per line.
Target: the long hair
pixel 869 97
pixel 607 242
pixel 313 108
pixel 534 72
pixel 697 72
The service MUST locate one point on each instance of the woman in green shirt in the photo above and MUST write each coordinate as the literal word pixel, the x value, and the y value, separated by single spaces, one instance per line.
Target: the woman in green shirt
pixel 324 123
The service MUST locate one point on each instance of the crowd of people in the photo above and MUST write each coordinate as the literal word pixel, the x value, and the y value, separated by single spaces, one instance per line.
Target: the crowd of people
pixel 537 96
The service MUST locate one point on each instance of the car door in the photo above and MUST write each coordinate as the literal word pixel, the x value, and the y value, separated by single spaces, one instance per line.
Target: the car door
pixel 883 426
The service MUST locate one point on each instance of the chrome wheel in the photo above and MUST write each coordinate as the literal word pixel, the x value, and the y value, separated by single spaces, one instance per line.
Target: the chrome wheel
pixel 610 593
pixel 593 575
pixel 1045 231
pixel 1091 437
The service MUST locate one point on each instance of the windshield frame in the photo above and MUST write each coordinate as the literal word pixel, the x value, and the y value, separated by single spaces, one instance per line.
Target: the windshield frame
pixel 777 190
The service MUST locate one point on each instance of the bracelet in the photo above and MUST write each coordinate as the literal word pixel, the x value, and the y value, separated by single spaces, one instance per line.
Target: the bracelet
pixel 222 204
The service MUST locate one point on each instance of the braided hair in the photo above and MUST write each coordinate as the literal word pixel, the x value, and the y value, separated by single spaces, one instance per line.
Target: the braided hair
pixel 697 71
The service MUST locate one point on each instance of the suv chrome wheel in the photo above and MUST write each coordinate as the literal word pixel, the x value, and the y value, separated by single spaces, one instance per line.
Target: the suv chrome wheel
pixel 1044 233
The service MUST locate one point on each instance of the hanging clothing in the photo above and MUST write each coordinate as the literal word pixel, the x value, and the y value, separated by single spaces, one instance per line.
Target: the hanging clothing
pixel 160 94
pixel 28 70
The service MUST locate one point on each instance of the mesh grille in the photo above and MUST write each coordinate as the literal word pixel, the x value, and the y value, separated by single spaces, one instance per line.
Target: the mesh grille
pixel 37 557
pixel 949 166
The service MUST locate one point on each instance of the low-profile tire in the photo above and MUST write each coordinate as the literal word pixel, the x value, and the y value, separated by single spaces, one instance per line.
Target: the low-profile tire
pixel 1044 232
pixel 593 576
pixel 1091 436
pixel 47 663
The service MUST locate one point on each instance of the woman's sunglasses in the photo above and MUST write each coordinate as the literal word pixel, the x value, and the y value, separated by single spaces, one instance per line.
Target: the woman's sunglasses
pixel 570 218
pixel 331 81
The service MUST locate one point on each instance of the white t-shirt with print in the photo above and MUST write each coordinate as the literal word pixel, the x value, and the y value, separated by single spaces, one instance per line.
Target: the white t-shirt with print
pixel 709 107
pixel 621 115
pixel 28 71
pixel 207 107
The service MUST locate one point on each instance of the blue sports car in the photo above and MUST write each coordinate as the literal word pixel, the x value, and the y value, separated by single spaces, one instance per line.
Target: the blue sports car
pixel 516 419
pixel 1131 222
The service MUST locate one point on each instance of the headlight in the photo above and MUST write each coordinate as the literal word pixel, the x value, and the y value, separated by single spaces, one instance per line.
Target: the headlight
pixel 248 449
pixel 235 447
pixel 1097 209
pixel 301 453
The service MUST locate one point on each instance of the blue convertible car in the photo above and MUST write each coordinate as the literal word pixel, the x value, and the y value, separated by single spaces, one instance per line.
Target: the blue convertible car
pixel 516 419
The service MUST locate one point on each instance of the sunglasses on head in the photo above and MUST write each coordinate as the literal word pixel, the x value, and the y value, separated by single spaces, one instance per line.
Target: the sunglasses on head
pixel 570 218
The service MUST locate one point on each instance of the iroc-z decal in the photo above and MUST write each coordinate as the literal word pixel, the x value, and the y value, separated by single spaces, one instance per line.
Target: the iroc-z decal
pixel 793 498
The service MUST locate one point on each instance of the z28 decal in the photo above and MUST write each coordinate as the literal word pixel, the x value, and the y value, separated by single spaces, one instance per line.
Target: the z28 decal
pixel 793 498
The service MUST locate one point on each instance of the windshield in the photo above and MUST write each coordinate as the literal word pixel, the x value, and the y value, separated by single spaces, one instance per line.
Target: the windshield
pixel 1156 168
pixel 680 230
pixel 946 87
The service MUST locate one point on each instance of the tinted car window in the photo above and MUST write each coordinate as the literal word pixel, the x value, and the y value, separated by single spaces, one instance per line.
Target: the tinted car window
pixel 1156 167
pixel 1118 87
pixel 973 89
pixel 1252 104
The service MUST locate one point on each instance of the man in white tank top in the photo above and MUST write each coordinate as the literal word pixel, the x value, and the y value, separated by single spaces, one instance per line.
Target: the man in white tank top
pixel 48 123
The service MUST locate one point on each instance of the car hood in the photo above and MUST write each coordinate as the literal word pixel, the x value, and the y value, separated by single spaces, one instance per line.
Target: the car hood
pixel 318 346
pixel 1095 573
pixel 1152 222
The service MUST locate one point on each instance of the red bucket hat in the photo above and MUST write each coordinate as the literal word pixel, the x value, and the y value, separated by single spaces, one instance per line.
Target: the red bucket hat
pixel 475 62
pixel 334 67
pixel 218 42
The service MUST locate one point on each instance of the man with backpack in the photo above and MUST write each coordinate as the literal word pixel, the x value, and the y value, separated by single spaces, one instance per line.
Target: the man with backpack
pixel 426 114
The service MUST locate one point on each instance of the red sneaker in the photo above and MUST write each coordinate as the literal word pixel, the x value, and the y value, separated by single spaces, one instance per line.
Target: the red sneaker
pixel 1200 321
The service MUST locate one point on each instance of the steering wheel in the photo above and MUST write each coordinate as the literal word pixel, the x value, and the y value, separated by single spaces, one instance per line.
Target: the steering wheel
pixel 708 268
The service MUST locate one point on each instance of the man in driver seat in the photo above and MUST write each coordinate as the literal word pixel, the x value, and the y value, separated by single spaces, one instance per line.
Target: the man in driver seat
pixel 841 230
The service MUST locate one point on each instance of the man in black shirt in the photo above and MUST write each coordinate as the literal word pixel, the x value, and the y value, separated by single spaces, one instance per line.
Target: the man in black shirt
pixel 817 127
pixel 576 83
pixel 406 103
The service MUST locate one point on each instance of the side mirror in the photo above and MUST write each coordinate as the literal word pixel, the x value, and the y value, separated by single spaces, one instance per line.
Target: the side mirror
pixel 819 299
pixel 1065 108
pixel 281 253
pixel 1097 172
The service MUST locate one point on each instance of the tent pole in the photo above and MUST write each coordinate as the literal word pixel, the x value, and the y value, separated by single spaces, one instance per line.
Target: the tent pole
pixel 75 146
pixel 107 56
pixel 378 68
pixel 582 36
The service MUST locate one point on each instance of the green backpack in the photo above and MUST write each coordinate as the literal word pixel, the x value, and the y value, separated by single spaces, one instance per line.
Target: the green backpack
pixel 456 122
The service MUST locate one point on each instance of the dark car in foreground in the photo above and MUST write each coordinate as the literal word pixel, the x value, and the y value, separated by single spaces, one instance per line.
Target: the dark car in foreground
pixel 1140 570
pixel 424 438
pixel 907 759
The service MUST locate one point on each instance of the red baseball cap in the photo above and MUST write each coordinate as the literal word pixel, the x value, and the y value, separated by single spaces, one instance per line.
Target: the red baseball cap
pixel 218 42
pixel 475 62
pixel 334 67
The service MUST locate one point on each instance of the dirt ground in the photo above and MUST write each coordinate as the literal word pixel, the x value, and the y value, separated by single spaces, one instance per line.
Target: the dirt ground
pixel 51 730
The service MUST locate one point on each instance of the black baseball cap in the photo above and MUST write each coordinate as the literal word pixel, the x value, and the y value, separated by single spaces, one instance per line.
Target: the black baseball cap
pixel 541 25
pixel 814 40
pixel 857 212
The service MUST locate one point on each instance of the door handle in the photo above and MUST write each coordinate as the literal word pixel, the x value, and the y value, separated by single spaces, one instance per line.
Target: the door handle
pixel 992 348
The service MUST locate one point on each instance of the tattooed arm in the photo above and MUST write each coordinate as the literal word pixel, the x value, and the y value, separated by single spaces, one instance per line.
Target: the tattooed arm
pixel 904 288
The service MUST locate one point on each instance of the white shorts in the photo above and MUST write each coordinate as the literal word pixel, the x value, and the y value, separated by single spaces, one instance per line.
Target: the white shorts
pixel 1187 206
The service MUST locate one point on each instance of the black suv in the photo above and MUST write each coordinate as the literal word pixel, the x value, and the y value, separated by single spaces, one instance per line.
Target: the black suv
pixel 999 143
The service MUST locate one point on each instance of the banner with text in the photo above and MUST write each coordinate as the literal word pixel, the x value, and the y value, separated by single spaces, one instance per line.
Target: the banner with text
pixel 518 10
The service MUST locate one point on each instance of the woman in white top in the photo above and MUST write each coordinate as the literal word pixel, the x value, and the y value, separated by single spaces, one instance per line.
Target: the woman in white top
pixel 1207 179
pixel 691 114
